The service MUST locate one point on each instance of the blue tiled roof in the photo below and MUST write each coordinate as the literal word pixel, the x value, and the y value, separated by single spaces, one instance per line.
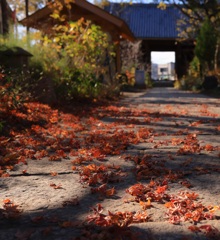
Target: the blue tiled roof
pixel 148 21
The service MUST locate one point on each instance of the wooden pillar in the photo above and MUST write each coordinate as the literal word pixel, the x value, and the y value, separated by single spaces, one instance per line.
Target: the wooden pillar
pixel 118 57
pixel 179 65
pixel 184 55
pixel 146 58
pixel 148 61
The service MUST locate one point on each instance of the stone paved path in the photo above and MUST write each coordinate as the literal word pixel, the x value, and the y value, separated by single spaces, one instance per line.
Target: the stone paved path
pixel 169 114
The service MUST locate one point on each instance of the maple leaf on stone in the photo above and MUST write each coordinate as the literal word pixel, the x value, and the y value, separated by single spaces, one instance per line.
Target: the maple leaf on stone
pixel 10 210
pixel 138 190
pixel 55 186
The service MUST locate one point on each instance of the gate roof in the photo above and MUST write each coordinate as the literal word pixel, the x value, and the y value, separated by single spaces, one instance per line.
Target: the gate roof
pixel 147 21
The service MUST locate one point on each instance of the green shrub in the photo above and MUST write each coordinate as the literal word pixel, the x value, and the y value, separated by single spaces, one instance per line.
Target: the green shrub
pixel 189 82
pixel 15 89
pixel 194 67
pixel 17 83
pixel 192 81
pixel 206 44
pixel 177 84
pixel 148 81
pixel 75 58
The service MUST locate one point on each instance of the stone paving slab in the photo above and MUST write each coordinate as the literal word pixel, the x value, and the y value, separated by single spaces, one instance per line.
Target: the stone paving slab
pixel 171 114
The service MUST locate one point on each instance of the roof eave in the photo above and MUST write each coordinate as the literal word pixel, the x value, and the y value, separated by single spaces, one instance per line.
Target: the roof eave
pixel 36 19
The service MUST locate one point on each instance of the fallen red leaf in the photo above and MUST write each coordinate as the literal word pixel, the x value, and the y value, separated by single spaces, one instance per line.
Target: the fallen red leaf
pixel 186 183
pixel 146 205
pixel 53 185
pixel 119 219
pixel 7 201
pixel 37 219
pixel 72 202
pixel 53 174
pixel 10 210
pixel 110 192
pixel 68 224
pixel 161 189
pixel 194 228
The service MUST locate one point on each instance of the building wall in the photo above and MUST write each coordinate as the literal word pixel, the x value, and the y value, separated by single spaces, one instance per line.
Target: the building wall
pixel 154 71
pixel 163 71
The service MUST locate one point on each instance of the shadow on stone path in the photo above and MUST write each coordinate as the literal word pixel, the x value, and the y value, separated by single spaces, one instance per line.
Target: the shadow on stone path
pixel 170 115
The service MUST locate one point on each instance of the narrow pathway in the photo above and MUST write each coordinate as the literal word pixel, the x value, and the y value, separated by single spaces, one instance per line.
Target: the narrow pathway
pixel 162 141
pixel 187 138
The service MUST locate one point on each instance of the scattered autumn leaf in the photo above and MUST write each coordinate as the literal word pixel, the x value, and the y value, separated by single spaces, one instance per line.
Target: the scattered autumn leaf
pixel 53 185
pixel 53 174
pixel 68 224
pixel 72 202
pixel 110 192
pixel 10 210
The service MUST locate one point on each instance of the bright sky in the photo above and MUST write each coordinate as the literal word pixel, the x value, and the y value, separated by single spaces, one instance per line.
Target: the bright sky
pixel 162 57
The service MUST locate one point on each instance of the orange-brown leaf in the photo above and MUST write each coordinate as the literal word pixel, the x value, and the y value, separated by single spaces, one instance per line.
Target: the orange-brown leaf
pixel 53 185
pixel 7 201
pixel 145 205
pixel 161 189
pixel 194 228
pixel 168 204
pixel 110 192
pixel 53 174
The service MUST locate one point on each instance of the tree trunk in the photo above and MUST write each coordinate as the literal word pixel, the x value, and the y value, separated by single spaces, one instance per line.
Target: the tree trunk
pixel 27 12
pixel 216 57
pixel 1 19
pixel 5 17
